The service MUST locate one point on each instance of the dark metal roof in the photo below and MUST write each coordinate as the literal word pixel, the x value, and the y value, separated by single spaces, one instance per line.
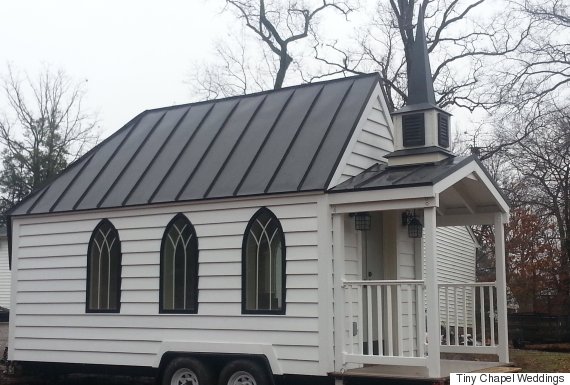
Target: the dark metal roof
pixel 271 142
pixel 380 176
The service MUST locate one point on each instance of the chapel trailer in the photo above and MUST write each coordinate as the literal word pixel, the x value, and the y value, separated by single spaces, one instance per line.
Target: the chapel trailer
pixel 301 231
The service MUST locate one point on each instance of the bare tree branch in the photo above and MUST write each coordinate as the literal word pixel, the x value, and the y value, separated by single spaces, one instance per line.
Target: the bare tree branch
pixel 42 129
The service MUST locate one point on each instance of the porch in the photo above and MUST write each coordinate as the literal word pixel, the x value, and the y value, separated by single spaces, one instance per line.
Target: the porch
pixel 394 309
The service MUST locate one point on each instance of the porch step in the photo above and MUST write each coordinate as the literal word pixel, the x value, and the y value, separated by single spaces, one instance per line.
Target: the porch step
pixel 412 374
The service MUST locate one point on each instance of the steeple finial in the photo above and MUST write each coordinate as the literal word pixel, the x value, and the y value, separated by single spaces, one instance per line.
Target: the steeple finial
pixel 420 84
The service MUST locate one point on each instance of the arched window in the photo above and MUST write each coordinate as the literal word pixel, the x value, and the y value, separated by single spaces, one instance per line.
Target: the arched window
pixel 179 267
pixel 263 265
pixel 104 270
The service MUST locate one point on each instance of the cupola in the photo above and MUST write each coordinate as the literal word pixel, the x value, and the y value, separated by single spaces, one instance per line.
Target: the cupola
pixel 421 127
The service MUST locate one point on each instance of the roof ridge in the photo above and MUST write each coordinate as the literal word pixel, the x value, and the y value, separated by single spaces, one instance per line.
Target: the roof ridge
pixel 292 87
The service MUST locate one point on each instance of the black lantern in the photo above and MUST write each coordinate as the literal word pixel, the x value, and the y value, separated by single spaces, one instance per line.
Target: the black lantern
pixel 362 221
pixel 415 227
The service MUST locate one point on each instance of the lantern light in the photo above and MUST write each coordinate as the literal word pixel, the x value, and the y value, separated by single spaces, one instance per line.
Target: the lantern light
pixel 362 221
pixel 415 227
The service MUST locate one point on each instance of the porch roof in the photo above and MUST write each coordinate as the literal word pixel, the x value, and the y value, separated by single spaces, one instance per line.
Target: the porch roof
pixel 462 184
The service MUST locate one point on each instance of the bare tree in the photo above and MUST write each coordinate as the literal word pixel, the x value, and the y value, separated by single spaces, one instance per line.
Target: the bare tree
pixel 276 26
pixel 242 66
pixel 42 128
pixel 542 67
pixel 540 164
pixel 464 49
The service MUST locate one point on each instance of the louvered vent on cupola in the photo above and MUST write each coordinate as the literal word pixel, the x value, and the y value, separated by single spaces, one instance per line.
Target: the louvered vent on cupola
pixel 413 130
pixel 443 130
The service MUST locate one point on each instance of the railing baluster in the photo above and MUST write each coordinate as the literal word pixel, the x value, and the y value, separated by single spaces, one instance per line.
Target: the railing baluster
pixel 447 325
pixel 420 320
pixel 492 315
pixel 380 314
pixel 369 316
pixel 390 319
pixel 410 321
pixel 360 300
pixel 456 315
pixel 399 317
pixel 482 315
pixel 464 289
pixel 474 318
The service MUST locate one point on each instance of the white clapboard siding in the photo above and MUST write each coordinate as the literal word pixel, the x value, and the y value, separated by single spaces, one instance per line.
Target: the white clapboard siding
pixel 4 274
pixel 50 323
pixel 372 141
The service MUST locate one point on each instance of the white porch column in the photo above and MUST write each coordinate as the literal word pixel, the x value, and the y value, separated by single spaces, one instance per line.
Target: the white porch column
pixel 432 293
pixel 338 264
pixel 501 279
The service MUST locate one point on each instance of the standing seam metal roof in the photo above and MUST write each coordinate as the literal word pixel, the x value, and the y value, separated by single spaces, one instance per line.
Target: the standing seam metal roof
pixel 381 176
pixel 279 141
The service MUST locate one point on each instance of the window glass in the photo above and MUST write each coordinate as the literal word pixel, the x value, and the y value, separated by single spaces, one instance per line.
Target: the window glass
pixel 264 264
pixel 104 269
pixel 179 267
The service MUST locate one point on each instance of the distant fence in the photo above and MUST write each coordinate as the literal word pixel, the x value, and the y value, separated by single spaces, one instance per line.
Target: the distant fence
pixel 539 328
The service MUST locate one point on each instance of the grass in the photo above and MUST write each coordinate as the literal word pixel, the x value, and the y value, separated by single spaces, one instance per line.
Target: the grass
pixel 536 361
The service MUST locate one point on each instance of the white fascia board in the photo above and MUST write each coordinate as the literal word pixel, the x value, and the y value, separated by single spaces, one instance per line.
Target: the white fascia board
pixel 220 347
pixel 464 172
pixel 381 200
pixel 344 197
pixel 377 92
pixel 466 219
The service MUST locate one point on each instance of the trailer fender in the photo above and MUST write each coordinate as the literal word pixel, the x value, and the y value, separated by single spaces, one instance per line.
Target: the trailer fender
pixel 221 348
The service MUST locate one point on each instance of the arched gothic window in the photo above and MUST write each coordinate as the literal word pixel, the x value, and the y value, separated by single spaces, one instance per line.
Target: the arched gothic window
pixel 179 267
pixel 263 265
pixel 104 270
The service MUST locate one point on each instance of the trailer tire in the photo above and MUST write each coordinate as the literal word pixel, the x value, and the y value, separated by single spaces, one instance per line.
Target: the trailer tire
pixel 187 370
pixel 244 372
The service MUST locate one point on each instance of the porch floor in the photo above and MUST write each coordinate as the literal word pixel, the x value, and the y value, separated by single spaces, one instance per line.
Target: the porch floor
pixel 411 373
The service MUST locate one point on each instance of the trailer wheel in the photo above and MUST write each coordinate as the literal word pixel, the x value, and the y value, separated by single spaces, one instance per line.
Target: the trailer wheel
pixel 244 372
pixel 187 371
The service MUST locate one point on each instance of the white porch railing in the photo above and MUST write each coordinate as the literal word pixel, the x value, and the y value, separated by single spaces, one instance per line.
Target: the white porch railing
pixel 468 316
pixel 385 322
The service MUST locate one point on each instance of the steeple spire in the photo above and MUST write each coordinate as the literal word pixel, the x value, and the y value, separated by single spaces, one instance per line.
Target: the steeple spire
pixel 421 128
pixel 420 84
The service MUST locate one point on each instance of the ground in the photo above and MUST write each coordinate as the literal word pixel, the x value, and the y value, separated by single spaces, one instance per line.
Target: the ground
pixel 530 361
pixel 538 361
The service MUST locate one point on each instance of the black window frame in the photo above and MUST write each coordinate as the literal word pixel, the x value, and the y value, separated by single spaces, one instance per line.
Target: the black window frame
pixel 117 276
pixel 282 310
pixel 195 264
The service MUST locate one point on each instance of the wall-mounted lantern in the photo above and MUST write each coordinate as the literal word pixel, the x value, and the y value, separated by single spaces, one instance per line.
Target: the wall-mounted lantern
pixel 362 221
pixel 415 227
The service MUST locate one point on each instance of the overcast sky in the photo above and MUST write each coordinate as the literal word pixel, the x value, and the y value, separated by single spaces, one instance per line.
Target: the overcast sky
pixel 135 55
